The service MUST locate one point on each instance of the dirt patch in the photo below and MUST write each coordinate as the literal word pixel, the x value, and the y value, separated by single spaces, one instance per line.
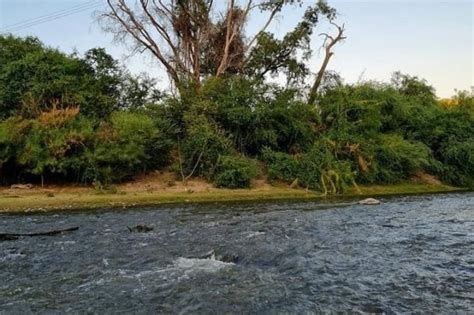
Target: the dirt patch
pixel 164 181
pixel 152 182
pixel 47 189
pixel 168 182
pixel 425 178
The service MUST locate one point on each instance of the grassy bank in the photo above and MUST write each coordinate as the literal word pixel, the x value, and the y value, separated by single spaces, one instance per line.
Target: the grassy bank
pixel 41 200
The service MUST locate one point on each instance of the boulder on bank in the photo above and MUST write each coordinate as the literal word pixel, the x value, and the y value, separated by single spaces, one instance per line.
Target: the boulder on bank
pixel 21 186
pixel 369 201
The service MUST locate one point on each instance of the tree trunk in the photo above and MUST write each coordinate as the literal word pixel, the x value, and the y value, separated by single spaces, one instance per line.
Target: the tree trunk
pixel 329 43
pixel 314 89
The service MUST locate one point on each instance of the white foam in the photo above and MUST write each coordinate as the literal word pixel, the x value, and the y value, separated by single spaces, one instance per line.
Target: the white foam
pixel 11 256
pixel 86 286
pixel 203 265
pixel 253 234
pixel 182 268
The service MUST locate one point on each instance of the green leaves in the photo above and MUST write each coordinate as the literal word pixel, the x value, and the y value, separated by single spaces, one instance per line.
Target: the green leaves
pixel 87 120
pixel 35 78
pixel 235 172
pixel 70 147
pixel 272 56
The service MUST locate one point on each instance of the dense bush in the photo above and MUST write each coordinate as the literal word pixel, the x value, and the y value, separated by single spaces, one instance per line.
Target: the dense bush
pixel 321 169
pixel 396 159
pixel 122 148
pixel 456 165
pixel 398 130
pixel 280 166
pixel 204 143
pixel 36 78
pixel 48 145
pixel 317 169
pixel 64 144
pixel 255 115
pixel 235 172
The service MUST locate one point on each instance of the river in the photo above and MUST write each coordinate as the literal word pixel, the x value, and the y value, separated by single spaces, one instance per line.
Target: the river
pixel 410 254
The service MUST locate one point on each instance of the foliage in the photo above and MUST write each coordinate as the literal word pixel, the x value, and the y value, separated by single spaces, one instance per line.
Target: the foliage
pixel 257 115
pixel 235 172
pixel 280 165
pixel 396 159
pixel 36 78
pixel 122 148
pixel 84 119
pixel 50 144
pixel 195 39
pixel 275 56
pixel 317 169
pixel 456 165
pixel 202 147
pixel 64 144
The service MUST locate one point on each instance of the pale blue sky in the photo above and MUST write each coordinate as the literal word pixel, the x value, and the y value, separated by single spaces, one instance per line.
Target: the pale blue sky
pixel 432 39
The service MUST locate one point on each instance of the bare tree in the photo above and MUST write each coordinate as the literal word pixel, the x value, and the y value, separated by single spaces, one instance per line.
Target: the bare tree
pixel 196 38
pixel 329 42
pixel 176 31
pixel 171 31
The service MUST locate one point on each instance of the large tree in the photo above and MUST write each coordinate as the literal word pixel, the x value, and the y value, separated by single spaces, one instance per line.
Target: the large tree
pixel 193 39
pixel 35 78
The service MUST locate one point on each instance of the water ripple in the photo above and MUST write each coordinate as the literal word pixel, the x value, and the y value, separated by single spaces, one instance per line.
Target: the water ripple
pixel 409 255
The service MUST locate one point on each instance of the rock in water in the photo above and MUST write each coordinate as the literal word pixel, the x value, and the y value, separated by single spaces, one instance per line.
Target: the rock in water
pixel 8 237
pixel 209 255
pixel 15 236
pixel 369 201
pixel 226 258
pixel 140 228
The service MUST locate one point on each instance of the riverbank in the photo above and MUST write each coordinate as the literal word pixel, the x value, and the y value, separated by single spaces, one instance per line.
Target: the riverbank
pixel 147 193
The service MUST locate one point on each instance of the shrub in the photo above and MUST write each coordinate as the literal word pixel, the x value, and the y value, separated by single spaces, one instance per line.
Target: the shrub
pixel 457 164
pixel 375 132
pixel 321 169
pixel 48 145
pixel 235 172
pixel 255 115
pixel 65 145
pixel 205 142
pixel 396 159
pixel 280 165
pixel 122 148
pixel 316 169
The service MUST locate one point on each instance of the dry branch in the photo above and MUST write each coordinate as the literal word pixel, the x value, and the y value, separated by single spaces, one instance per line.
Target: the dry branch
pixel 328 44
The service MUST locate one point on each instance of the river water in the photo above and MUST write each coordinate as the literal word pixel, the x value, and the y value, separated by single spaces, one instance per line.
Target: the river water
pixel 410 254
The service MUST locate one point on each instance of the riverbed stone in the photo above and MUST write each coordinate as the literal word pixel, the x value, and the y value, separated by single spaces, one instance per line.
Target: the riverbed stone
pixel 369 201
pixel 141 228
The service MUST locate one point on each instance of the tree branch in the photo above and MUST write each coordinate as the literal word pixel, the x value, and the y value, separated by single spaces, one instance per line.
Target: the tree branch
pixel 328 44
pixel 228 39
pixel 266 25
pixel 139 33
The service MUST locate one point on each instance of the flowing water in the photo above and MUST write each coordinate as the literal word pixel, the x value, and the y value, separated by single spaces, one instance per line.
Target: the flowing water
pixel 410 254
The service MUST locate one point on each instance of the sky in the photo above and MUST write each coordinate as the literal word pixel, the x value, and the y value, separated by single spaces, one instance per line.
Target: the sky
pixel 431 39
